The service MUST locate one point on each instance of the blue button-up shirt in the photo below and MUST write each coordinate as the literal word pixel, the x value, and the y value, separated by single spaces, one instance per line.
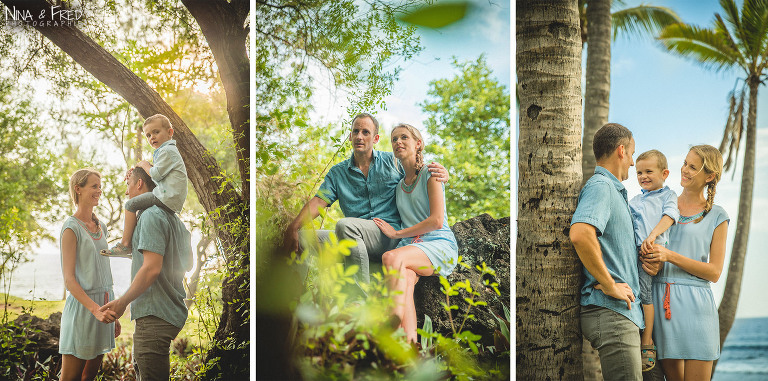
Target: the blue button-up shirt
pixel 162 232
pixel 603 204
pixel 647 210
pixel 365 197
pixel 170 175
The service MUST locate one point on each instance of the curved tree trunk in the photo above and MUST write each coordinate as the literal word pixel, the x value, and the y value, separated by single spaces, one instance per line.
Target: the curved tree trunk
pixel 727 310
pixel 228 210
pixel 548 270
pixel 598 74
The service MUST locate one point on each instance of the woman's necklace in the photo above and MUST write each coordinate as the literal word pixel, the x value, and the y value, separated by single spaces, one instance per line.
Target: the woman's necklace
pixel 688 219
pixel 409 188
pixel 95 236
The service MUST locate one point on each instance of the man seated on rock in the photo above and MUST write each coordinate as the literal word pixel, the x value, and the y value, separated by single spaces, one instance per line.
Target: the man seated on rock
pixel 365 187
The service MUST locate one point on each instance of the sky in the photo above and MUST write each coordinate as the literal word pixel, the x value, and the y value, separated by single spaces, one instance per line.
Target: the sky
pixel 485 29
pixel 670 104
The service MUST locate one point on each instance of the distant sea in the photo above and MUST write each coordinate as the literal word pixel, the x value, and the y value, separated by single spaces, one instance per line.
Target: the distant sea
pixel 744 355
pixel 42 279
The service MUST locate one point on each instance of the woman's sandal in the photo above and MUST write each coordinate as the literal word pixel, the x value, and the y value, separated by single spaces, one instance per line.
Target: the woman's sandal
pixel 648 353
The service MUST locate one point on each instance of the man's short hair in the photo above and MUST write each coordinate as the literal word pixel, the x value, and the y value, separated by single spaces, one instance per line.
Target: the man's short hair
pixel 608 138
pixel 140 173
pixel 164 121
pixel 661 160
pixel 367 115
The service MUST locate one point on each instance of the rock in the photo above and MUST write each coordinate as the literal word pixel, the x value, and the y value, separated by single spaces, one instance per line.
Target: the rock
pixel 480 239
pixel 44 334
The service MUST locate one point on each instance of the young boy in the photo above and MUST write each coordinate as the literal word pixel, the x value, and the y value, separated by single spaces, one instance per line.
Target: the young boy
pixel 653 212
pixel 168 172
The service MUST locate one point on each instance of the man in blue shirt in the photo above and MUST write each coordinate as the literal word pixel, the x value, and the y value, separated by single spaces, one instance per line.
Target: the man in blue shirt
pixel 603 236
pixel 365 187
pixel 162 253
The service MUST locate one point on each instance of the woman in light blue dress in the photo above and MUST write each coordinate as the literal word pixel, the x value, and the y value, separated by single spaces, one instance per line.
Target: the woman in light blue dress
pixel 86 333
pixel 685 327
pixel 427 244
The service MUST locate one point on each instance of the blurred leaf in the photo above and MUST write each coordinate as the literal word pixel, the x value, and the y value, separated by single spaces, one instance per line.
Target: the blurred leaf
pixel 438 15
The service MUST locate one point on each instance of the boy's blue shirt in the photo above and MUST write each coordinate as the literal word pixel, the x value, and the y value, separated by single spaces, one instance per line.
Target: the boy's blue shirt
pixel 648 208
pixel 603 204
pixel 365 197
pixel 170 174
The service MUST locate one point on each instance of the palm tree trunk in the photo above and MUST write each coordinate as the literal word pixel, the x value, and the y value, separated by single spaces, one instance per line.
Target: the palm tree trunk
pixel 598 87
pixel 548 270
pixel 727 309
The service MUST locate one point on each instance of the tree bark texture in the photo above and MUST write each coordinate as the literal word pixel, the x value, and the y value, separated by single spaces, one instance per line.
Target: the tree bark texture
pixel 598 86
pixel 727 310
pixel 548 271
pixel 223 25
pixel 228 210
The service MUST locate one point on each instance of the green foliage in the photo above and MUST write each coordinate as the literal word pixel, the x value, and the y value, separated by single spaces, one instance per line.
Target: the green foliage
pixel 27 183
pixel 355 46
pixel 18 360
pixel 469 125
pixel 343 339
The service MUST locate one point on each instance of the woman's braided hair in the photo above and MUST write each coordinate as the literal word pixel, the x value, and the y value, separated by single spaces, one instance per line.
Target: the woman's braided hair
pixel 712 163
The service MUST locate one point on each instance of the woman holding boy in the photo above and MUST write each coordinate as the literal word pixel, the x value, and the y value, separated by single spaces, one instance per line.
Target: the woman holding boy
pixel 685 327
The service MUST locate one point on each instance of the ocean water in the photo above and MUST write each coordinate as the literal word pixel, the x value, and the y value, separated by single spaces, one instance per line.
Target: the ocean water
pixel 744 355
pixel 42 279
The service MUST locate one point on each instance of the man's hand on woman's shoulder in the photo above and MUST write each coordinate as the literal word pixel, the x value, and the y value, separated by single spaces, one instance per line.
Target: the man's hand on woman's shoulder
pixel 438 172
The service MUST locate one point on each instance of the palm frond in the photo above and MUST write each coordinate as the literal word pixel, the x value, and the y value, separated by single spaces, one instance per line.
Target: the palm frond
pixel 642 20
pixel 723 31
pixel 754 16
pixel 704 46
pixel 737 118
pixel 732 15
pixel 729 122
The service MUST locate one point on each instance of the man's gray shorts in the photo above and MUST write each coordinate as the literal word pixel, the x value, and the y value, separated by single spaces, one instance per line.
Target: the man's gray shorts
pixel 371 244
pixel 151 348
pixel 617 340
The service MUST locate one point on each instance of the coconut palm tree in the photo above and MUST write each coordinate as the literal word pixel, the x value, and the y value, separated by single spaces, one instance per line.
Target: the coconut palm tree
pixel 548 271
pixel 738 40
pixel 597 23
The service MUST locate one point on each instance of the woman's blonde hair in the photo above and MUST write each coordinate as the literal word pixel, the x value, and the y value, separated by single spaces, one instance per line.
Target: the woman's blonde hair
pixel 80 178
pixel 712 163
pixel 416 135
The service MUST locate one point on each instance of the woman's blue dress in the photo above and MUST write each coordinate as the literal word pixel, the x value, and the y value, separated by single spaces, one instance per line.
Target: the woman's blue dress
pixel 692 332
pixel 82 335
pixel 413 205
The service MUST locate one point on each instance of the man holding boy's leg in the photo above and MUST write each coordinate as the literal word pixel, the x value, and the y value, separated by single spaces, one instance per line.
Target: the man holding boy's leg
pixel 602 234
pixel 162 253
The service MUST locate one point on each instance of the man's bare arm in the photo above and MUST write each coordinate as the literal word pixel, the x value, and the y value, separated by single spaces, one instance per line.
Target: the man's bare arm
pixel 584 238
pixel 147 274
pixel 308 213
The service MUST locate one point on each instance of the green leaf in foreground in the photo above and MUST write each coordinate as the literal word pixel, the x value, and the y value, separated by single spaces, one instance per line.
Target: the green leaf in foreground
pixel 438 15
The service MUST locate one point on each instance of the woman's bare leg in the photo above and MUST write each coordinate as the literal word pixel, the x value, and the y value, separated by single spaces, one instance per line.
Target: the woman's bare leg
pixel 409 319
pixel 673 369
pixel 71 368
pixel 91 368
pixel 401 261
pixel 698 370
